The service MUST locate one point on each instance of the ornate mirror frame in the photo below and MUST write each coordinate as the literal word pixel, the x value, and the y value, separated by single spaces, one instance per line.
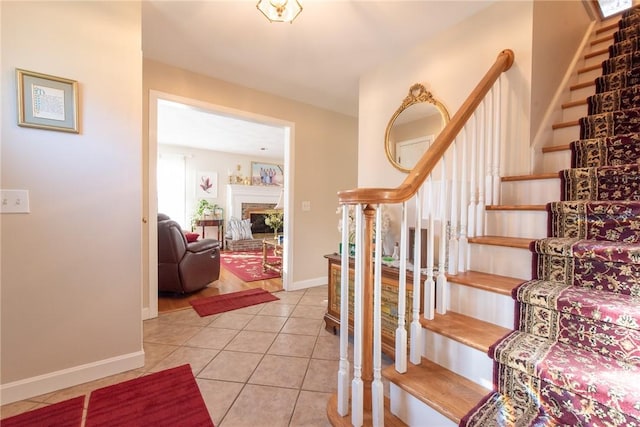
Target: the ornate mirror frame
pixel 417 95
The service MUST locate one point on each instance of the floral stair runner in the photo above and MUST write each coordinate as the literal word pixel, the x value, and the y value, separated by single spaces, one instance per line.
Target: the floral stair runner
pixel 574 359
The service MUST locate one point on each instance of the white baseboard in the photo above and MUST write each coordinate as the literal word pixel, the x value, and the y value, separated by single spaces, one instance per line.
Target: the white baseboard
pixel 53 381
pixel 310 283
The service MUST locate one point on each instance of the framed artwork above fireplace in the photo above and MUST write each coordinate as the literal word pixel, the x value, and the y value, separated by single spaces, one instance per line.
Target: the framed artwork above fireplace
pixel 266 174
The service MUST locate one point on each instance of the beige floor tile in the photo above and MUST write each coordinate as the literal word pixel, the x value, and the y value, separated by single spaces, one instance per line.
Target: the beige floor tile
pixel 252 341
pixel 187 316
pixel 277 309
pixel 309 312
pixel 280 371
pixel 198 358
pixel 252 309
pixel 16 408
pixel 265 323
pixel 215 338
pixel 290 298
pixel 168 333
pixel 311 410
pixel 321 376
pixel 319 300
pixel 218 396
pixel 317 290
pixel 328 347
pixel 231 366
pixel 261 406
pixel 293 345
pixel 231 320
pixel 302 326
pixel 154 353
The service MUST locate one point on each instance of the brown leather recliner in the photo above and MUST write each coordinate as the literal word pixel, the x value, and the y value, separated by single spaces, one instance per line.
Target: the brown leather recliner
pixel 184 267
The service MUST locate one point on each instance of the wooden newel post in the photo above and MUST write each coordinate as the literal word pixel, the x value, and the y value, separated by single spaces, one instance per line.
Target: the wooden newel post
pixel 367 311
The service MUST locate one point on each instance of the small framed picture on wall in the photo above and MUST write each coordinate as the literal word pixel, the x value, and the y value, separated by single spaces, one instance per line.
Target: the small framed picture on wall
pixel 207 185
pixel 266 174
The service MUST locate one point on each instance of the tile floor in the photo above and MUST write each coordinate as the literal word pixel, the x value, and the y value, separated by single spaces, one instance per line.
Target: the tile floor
pixel 272 364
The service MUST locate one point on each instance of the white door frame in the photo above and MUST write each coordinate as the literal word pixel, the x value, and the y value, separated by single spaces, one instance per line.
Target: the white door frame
pixel 152 214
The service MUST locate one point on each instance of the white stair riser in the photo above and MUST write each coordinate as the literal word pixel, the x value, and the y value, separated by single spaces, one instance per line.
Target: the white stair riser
pixel 531 224
pixel 473 364
pixel 566 135
pixel 582 93
pixel 574 113
pixel 414 412
pixel 589 76
pixel 477 303
pixel 530 192
pixel 501 260
pixel 598 58
pixel 555 161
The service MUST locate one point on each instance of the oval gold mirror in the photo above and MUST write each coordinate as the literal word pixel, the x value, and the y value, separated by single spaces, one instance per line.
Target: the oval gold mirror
pixel 413 127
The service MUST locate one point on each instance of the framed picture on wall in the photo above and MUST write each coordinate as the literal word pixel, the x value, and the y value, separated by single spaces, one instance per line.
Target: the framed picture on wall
pixel 47 102
pixel 266 174
pixel 207 185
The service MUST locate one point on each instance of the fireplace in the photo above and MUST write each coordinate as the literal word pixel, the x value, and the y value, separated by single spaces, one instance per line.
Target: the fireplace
pixel 253 197
pixel 256 213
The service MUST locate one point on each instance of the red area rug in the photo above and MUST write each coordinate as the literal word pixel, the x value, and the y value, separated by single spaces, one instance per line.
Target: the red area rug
pixel 247 265
pixel 167 398
pixel 63 414
pixel 227 302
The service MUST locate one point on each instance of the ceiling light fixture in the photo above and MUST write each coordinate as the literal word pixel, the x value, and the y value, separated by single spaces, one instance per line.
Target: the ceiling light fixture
pixel 280 10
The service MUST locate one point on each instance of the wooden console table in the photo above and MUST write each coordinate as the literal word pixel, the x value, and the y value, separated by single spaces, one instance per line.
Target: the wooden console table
pixel 277 252
pixel 389 321
pixel 218 223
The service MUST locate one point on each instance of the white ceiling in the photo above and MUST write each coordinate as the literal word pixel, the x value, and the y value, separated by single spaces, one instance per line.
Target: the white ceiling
pixel 317 59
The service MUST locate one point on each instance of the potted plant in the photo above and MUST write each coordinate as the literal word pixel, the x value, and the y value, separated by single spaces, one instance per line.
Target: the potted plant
pixel 203 209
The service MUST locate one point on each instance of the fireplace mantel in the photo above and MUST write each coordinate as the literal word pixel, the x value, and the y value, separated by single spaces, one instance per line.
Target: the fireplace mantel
pixel 239 194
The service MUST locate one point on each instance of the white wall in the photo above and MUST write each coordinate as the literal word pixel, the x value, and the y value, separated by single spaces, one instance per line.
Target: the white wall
pixel 198 160
pixel 71 269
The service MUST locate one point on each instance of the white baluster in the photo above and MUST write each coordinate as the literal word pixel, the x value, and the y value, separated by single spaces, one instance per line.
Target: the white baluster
pixel 377 389
pixel 481 170
pixel 463 243
pixel 471 216
pixel 453 240
pixel 489 120
pixel 497 143
pixel 343 368
pixel 416 328
pixel 401 330
pixel 441 282
pixel 429 283
pixel 357 386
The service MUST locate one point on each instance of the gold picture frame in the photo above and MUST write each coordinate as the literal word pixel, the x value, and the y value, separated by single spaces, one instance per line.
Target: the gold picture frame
pixel 47 102
pixel 267 174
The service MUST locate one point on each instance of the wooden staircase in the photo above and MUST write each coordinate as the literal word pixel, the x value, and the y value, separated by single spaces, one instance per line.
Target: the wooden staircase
pixel 456 372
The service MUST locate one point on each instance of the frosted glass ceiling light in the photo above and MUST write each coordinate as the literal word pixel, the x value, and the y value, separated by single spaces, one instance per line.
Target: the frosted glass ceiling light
pixel 280 10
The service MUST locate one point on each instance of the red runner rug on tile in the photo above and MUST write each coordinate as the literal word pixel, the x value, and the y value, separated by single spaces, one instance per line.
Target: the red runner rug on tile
pixel 63 414
pixel 247 265
pixel 227 302
pixel 166 398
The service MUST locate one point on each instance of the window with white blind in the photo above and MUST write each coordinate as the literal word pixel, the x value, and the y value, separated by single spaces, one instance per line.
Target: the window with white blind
pixel 171 188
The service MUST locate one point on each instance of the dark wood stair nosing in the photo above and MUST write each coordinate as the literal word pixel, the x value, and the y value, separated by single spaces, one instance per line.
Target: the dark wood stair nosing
pixel 554 148
pixel 509 242
pixel 582 85
pixel 565 124
pixel 516 207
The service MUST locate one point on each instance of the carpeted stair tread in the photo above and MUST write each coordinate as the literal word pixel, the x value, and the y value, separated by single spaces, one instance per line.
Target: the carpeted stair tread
pixel 627 32
pixel 617 80
pixel 614 100
pixel 467 330
pixel 608 151
pixel 610 124
pixel 606 307
pixel 556 405
pixel 624 47
pixel 450 394
pixel 628 253
pixel 621 63
pixel 597 321
pixel 592 376
pixel 502 285
pixel 617 221
pixel 499 410
pixel 601 183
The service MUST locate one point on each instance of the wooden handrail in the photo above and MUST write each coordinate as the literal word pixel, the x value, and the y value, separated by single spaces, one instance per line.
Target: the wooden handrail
pixel 432 156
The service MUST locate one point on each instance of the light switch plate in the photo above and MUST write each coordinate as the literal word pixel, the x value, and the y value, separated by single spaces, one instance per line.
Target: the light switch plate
pixel 306 205
pixel 14 201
